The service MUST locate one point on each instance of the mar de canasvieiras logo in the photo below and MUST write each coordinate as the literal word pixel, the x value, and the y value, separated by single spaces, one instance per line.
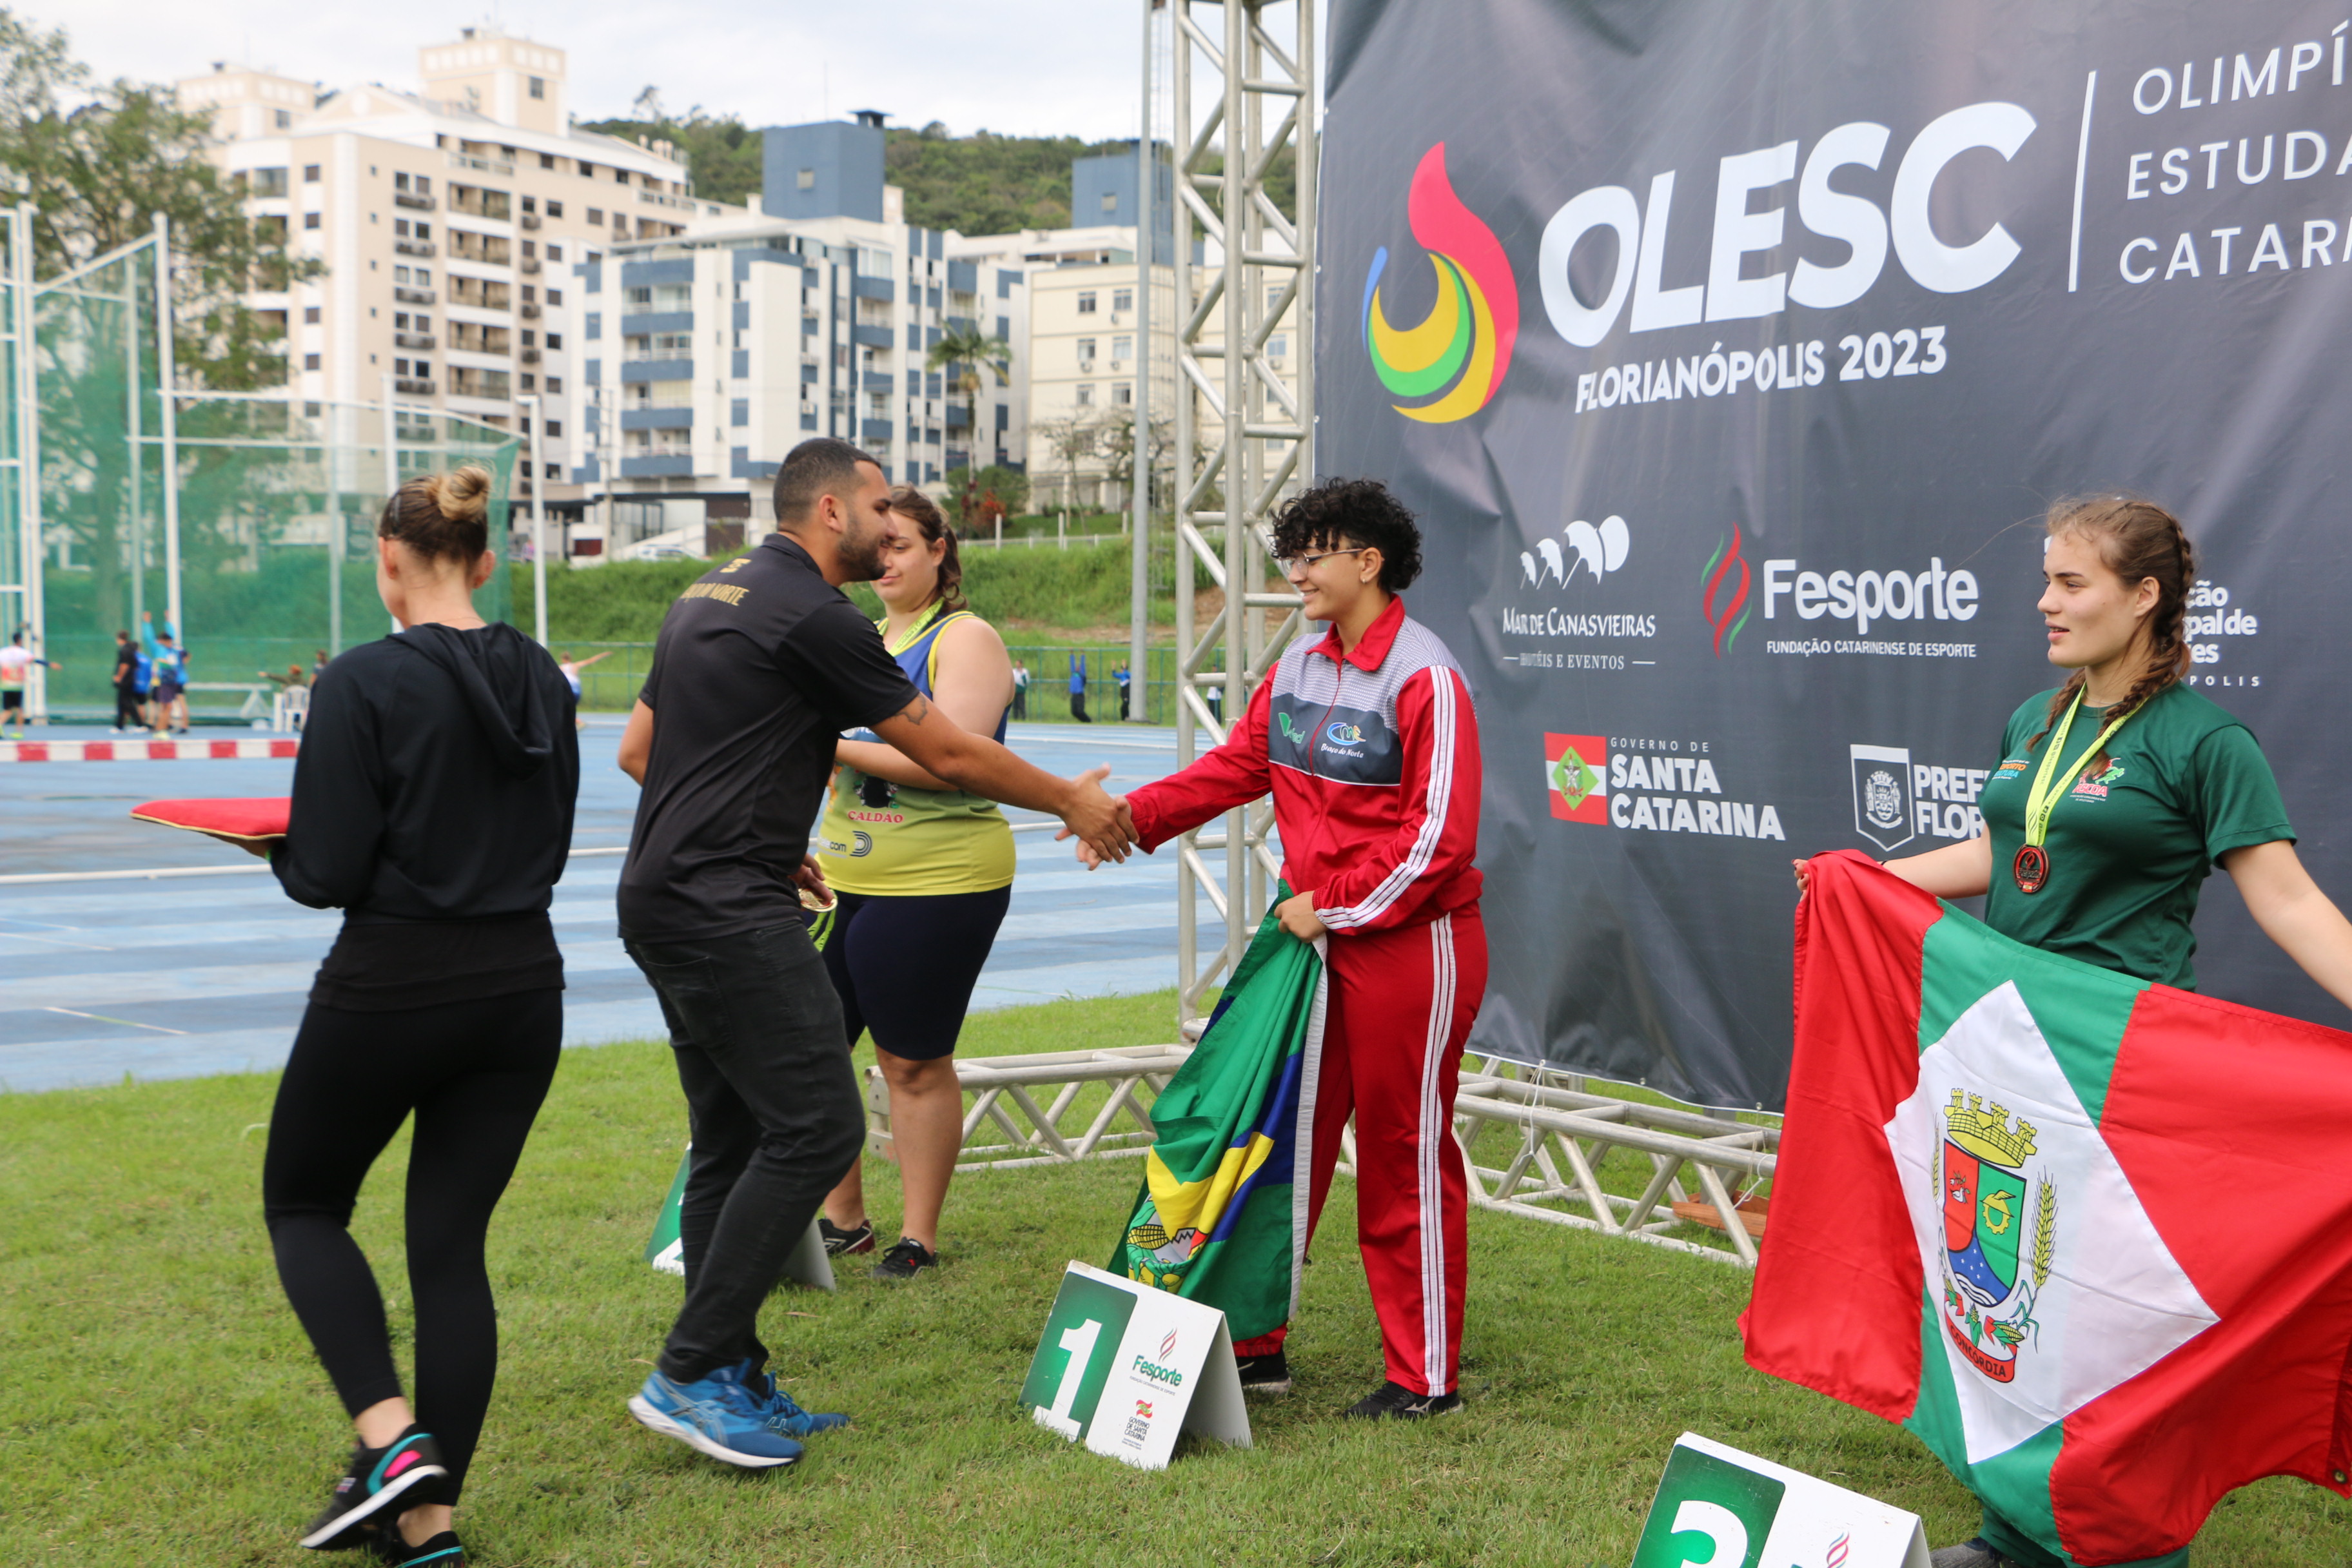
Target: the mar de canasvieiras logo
pixel 1457 355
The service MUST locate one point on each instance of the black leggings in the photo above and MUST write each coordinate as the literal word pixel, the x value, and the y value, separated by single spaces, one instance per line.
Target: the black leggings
pixel 475 1073
pixel 127 703
pixel 904 966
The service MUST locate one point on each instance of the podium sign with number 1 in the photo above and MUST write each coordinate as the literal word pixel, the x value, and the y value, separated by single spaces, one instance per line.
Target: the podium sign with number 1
pixel 1719 1508
pixel 1124 1368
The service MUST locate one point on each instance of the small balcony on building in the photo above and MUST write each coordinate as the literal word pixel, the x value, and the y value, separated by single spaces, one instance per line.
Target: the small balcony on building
pixel 408 296
pixel 481 293
pixel 473 338
pixel 487 249
pixel 413 341
pixel 475 202
pixel 408 247
pixel 529 264
pixel 531 356
pixel 412 386
pixel 417 200
pixel 467 381
pixel 530 220
pixel 529 311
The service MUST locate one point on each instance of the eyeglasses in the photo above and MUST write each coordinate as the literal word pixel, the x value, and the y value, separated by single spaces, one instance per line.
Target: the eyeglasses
pixel 1291 565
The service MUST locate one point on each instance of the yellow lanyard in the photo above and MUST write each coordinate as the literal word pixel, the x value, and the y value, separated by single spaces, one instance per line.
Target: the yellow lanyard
pixel 2043 798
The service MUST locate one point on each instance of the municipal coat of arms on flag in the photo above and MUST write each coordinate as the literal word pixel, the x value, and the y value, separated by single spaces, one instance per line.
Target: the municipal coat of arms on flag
pixel 1222 1215
pixel 2090 1238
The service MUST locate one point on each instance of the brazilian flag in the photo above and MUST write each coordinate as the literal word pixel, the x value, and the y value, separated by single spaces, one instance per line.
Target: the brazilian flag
pixel 1222 1216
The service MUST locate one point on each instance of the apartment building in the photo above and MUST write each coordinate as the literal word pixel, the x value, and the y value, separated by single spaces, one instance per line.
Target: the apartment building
pixel 706 356
pixel 450 221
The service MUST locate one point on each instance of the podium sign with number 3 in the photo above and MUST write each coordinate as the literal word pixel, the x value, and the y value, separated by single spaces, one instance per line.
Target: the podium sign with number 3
pixel 1719 1508
pixel 1125 1369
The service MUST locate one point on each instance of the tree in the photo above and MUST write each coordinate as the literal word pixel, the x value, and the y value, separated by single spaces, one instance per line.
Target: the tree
pixel 963 353
pixel 721 153
pixel 1118 445
pixel 97 162
pixel 1067 436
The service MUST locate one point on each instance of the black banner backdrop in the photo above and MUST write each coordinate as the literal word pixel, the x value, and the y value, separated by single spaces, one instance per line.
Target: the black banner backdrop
pixel 1731 355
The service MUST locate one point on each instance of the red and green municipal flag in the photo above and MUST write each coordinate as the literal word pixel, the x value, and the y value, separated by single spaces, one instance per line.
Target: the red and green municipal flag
pixel 2090 1238
pixel 1222 1216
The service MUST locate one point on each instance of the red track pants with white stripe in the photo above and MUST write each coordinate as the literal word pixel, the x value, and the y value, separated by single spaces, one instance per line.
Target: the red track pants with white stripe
pixel 1399 1012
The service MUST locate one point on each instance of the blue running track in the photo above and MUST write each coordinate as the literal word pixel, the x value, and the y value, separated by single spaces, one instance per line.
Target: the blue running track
pixel 184 976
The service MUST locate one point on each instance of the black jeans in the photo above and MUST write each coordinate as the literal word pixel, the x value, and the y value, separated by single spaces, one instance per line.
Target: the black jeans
pixel 475 1073
pixel 775 1116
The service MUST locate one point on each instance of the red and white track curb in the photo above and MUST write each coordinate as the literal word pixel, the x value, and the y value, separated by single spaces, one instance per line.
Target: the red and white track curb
pixel 143 750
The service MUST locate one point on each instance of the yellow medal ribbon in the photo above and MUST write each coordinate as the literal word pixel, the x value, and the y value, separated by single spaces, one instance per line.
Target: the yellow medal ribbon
pixel 2032 868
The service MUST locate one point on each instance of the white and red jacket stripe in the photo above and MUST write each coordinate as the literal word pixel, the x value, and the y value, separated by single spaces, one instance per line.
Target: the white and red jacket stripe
pixel 1372 759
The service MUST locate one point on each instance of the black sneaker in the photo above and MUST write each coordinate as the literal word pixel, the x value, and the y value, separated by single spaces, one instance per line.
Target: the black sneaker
pixel 839 1243
pixel 442 1551
pixel 906 1258
pixel 1268 1373
pixel 1396 1401
pixel 378 1479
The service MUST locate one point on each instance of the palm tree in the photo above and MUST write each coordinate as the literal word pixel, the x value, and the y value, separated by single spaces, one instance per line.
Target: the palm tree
pixel 963 353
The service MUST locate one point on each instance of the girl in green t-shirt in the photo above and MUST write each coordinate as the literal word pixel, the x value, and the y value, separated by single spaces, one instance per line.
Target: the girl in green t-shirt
pixel 2116 794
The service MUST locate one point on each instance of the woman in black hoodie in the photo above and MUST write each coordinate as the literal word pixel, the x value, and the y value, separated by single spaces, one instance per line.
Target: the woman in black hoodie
pixel 433 801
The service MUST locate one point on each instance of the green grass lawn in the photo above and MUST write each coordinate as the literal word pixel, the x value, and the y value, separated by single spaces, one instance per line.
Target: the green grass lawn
pixel 159 1407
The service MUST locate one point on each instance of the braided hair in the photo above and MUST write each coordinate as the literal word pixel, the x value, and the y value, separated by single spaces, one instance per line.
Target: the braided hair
pixel 2136 540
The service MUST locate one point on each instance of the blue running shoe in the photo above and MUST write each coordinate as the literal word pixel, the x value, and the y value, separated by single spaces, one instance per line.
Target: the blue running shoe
pixel 784 1414
pixel 716 1414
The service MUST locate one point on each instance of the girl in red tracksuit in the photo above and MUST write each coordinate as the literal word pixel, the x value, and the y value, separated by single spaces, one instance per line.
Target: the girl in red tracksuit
pixel 1367 740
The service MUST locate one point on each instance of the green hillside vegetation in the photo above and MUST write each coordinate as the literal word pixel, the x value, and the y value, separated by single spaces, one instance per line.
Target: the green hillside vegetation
pixel 980 183
pixel 1016 588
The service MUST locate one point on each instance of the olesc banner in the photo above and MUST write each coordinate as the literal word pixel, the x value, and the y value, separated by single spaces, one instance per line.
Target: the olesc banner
pixel 1731 355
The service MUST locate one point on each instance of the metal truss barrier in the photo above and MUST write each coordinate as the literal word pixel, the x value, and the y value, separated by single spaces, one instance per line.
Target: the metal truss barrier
pixel 1243 95
pixel 1565 1136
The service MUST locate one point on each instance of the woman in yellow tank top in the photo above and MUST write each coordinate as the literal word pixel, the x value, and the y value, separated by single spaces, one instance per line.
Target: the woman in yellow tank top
pixel 924 873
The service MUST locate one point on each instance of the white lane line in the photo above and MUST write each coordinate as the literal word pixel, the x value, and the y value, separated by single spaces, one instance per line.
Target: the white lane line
pixel 55 941
pixel 102 1018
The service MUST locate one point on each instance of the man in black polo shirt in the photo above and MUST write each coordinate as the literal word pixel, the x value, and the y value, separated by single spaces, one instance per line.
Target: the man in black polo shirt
pixel 759 667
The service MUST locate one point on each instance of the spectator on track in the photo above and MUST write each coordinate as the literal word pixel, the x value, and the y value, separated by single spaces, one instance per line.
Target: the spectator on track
pixel 1019 690
pixel 129 685
pixel 16 662
pixel 1078 689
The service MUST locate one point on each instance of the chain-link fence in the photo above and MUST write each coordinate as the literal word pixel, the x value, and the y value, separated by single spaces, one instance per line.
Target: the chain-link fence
pixel 243 523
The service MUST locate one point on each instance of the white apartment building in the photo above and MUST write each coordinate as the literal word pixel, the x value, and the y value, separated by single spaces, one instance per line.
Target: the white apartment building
pixel 705 357
pixel 449 221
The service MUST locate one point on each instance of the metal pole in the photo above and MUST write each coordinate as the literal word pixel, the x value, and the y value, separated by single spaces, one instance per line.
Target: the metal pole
pixel 137 458
pixel 167 376
pixel 32 604
pixel 1139 636
pixel 538 521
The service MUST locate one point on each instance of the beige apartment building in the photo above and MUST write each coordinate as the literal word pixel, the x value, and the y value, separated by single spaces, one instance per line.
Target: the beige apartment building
pixel 450 220
pixel 1082 364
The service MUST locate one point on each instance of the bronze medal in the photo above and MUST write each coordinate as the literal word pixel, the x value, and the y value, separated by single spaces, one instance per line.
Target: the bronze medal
pixel 2032 868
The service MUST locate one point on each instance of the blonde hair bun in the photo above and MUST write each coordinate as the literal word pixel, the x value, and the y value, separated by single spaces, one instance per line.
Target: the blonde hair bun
pixel 462 494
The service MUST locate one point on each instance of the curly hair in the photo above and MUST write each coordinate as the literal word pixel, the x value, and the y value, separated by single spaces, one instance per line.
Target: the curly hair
pixel 1343 512
pixel 2136 540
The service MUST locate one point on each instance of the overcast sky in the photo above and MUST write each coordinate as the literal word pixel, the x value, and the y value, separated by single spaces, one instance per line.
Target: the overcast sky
pixel 1030 66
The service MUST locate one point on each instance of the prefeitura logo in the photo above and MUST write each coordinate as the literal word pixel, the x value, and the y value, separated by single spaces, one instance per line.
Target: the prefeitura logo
pixel 1459 354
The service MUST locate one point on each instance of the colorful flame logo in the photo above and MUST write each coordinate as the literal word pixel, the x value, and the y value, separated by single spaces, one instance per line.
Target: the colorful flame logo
pixel 1465 342
pixel 1723 597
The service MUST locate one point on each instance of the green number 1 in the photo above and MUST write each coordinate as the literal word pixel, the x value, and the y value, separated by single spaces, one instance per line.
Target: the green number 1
pixel 1080 1341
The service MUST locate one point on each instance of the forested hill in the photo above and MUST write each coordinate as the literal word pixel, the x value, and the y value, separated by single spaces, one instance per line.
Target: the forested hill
pixel 980 184
pixel 986 184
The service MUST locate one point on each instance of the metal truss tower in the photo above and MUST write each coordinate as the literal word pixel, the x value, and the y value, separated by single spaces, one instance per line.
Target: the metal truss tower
pixel 1246 104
